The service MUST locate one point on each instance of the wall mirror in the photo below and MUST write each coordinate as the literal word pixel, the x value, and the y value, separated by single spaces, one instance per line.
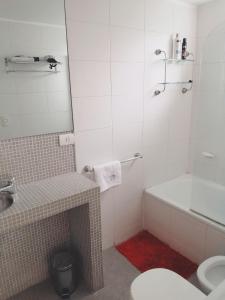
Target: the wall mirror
pixel 35 93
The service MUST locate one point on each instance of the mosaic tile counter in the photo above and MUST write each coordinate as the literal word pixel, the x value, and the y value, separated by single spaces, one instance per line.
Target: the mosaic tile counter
pixel 50 201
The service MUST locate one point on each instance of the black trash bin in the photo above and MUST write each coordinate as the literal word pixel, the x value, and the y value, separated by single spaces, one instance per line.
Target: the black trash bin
pixel 64 274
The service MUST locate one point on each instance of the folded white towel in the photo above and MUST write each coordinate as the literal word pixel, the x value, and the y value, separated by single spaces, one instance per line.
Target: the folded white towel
pixel 108 175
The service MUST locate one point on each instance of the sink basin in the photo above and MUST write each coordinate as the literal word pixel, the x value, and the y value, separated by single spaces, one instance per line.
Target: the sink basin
pixel 6 200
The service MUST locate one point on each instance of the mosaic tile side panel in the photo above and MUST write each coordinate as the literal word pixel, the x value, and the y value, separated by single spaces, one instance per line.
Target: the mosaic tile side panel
pixel 25 253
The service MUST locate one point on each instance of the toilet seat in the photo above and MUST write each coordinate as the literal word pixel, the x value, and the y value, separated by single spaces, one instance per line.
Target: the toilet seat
pixel 162 284
pixel 204 270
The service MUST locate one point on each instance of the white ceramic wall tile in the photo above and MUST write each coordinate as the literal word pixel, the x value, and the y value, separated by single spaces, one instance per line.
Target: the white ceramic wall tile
pixel 127 140
pixel 127 109
pixel 132 71
pixel 127 44
pixel 186 23
pixel 159 16
pixel 93 147
pixel 128 202
pixel 179 118
pixel 128 13
pixel 88 41
pixel 92 113
pixel 127 78
pixel 156 120
pixel 210 15
pixel 156 162
pixel 90 79
pixel 92 11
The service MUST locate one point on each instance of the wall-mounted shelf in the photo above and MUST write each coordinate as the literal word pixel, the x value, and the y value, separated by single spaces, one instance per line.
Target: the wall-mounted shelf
pixel 48 61
pixel 178 61
pixel 166 61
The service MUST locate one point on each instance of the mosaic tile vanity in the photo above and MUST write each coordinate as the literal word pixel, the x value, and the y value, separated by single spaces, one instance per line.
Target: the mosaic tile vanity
pixel 45 204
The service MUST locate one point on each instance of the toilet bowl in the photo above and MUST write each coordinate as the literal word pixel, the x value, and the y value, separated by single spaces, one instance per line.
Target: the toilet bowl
pixel 162 284
pixel 211 273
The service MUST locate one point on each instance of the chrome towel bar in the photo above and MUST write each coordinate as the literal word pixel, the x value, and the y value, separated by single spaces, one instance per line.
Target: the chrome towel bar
pixel 88 169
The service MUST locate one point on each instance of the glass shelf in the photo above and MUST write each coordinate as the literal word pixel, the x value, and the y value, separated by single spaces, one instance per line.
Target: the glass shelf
pixel 173 60
pixel 177 82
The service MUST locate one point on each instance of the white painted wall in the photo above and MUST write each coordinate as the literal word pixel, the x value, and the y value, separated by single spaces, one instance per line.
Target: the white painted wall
pixel 113 74
pixel 209 105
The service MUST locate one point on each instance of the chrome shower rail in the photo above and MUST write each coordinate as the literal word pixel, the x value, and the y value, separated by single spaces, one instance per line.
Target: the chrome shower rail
pixel 88 169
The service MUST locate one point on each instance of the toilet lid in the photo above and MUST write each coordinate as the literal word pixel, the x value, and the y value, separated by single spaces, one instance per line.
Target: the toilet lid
pixel 162 284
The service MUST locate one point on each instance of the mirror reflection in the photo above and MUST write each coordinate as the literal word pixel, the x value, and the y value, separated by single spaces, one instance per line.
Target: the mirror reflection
pixel 34 79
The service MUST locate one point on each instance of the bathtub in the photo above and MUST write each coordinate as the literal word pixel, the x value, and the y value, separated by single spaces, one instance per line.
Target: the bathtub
pixel 187 213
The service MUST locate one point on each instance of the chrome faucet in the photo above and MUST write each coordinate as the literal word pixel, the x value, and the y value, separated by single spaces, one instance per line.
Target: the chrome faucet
pixel 8 185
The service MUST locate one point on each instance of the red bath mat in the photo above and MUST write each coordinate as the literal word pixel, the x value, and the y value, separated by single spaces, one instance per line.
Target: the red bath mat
pixel 146 252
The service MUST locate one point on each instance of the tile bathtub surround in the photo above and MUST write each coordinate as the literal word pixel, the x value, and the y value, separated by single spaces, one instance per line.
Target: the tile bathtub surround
pixel 114 73
pixel 50 197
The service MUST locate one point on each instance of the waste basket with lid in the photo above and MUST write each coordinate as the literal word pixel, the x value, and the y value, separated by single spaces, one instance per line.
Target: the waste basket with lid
pixel 63 273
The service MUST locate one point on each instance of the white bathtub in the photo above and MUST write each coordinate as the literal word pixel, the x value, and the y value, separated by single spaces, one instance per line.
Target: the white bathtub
pixel 170 214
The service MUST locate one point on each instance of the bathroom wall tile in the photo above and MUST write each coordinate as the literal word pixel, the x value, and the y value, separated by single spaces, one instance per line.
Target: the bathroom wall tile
pixel 127 78
pixel 186 23
pixel 93 147
pixel 155 159
pixel 90 79
pixel 93 11
pixel 210 16
pixel 128 13
pixel 92 113
pixel 179 118
pixel 159 16
pixel 127 140
pixel 127 109
pixel 156 120
pixel 88 41
pixel 133 70
pixel 128 202
pixel 127 44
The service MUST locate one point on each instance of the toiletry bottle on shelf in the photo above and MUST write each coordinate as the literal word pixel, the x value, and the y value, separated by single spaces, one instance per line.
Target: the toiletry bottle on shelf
pixel 184 49
pixel 178 47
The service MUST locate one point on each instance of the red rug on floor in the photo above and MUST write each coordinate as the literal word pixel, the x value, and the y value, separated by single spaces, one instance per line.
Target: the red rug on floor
pixel 146 252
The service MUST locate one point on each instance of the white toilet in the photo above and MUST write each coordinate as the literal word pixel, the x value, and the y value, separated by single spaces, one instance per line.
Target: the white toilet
pixel 211 273
pixel 162 284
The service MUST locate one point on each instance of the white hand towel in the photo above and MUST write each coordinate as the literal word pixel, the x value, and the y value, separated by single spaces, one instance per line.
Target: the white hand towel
pixel 108 175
